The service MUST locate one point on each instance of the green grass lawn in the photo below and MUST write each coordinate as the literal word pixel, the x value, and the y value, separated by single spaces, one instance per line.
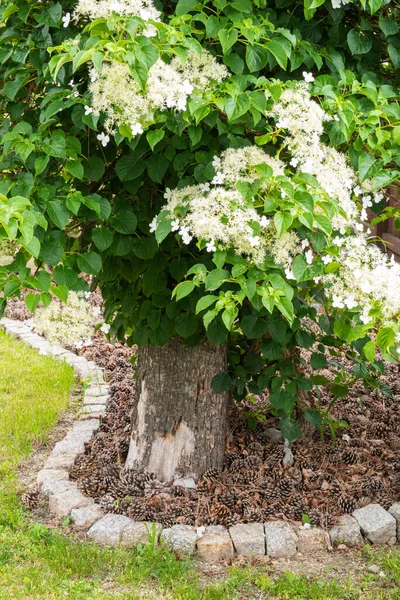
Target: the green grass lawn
pixel 38 562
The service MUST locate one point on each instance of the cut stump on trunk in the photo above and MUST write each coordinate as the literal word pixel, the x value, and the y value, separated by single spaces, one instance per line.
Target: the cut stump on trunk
pixel 179 422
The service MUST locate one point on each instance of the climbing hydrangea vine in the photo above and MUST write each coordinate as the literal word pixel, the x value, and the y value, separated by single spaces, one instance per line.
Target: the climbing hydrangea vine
pixel 213 166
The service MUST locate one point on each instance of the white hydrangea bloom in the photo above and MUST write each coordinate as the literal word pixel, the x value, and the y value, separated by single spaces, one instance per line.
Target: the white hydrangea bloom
pixel 115 92
pixel 367 278
pixel 70 324
pixel 304 119
pixel 199 70
pixel 339 3
pixel 103 9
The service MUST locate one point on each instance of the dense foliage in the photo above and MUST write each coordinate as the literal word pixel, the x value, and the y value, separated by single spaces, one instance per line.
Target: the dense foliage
pixel 109 112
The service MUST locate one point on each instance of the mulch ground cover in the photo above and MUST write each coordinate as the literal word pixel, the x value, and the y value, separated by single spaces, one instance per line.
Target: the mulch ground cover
pixel 329 476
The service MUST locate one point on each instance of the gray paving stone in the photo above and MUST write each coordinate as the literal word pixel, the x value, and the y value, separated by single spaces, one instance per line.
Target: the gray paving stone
pixel 51 475
pixel 140 532
pixel 74 442
pixel 181 538
pixel 281 539
pixel 90 409
pixel 394 510
pixel 248 539
pixel 55 487
pixel 62 503
pixel 87 515
pixel 108 530
pixel 95 400
pixel 312 540
pixel 215 544
pixel 346 531
pixel 60 461
pixel 376 524
pixel 100 389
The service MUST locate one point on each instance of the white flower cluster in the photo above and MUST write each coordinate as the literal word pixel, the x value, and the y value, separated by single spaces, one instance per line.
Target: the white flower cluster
pixel 339 3
pixel 199 70
pixel 69 324
pixel 221 216
pixel 239 164
pixel 8 249
pixel 367 279
pixel 115 92
pixel 103 9
pixel 304 119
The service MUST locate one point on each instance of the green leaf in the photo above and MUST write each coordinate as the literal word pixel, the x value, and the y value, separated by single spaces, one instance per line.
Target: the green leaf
pixel 61 292
pixel 216 278
pixel 145 247
pixel 162 230
pixel 11 288
pixel 41 163
pixel 31 301
pixel 184 6
pixel 282 222
pixel 58 213
pixel 227 37
pixel 314 417
pixel 369 350
pixel 75 168
pixel 228 316
pixel 154 136
pixel 58 146
pixel 102 237
pixel 125 222
pixel 318 360
pixel 253 327
pixel 290 429
pixel 388 26
pixel 279 53
pixel 237 106
pixel 11 88
pixel 43 280
pixel 205 302
pixel 365 163
pixel 186 324
pixel 356 333
pixel 358 43
pixel 183 289
pixel 385 338
pixel 299 267
pixel 256 57
pixel 90 263
pixel 221 383
pixel 94 168
pixel 339 390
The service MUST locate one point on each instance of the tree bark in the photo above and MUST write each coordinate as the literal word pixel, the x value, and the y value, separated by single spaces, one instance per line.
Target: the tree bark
pixel 179 422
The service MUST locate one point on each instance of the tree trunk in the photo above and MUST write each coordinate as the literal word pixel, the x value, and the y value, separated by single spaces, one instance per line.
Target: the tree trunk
pixel 179 421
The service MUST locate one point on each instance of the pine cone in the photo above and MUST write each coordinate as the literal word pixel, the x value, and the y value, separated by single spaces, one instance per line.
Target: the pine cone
pixel 286 487
pixel 107 502
pixel 229 499
pixel 137 510
pixel 256 448
pixel 346 504
pixel 384 498
pixel 211 475
pixel 230 457
pixel 302 457
pixel 270 490
pixel 237 465
pixel 349 457
pixel 31 498
pixel 219 513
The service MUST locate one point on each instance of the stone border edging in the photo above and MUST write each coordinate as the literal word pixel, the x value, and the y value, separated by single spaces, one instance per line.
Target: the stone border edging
pixel 276 539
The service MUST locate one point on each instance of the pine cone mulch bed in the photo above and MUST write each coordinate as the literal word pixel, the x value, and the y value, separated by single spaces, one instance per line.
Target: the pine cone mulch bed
pixel 328 478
